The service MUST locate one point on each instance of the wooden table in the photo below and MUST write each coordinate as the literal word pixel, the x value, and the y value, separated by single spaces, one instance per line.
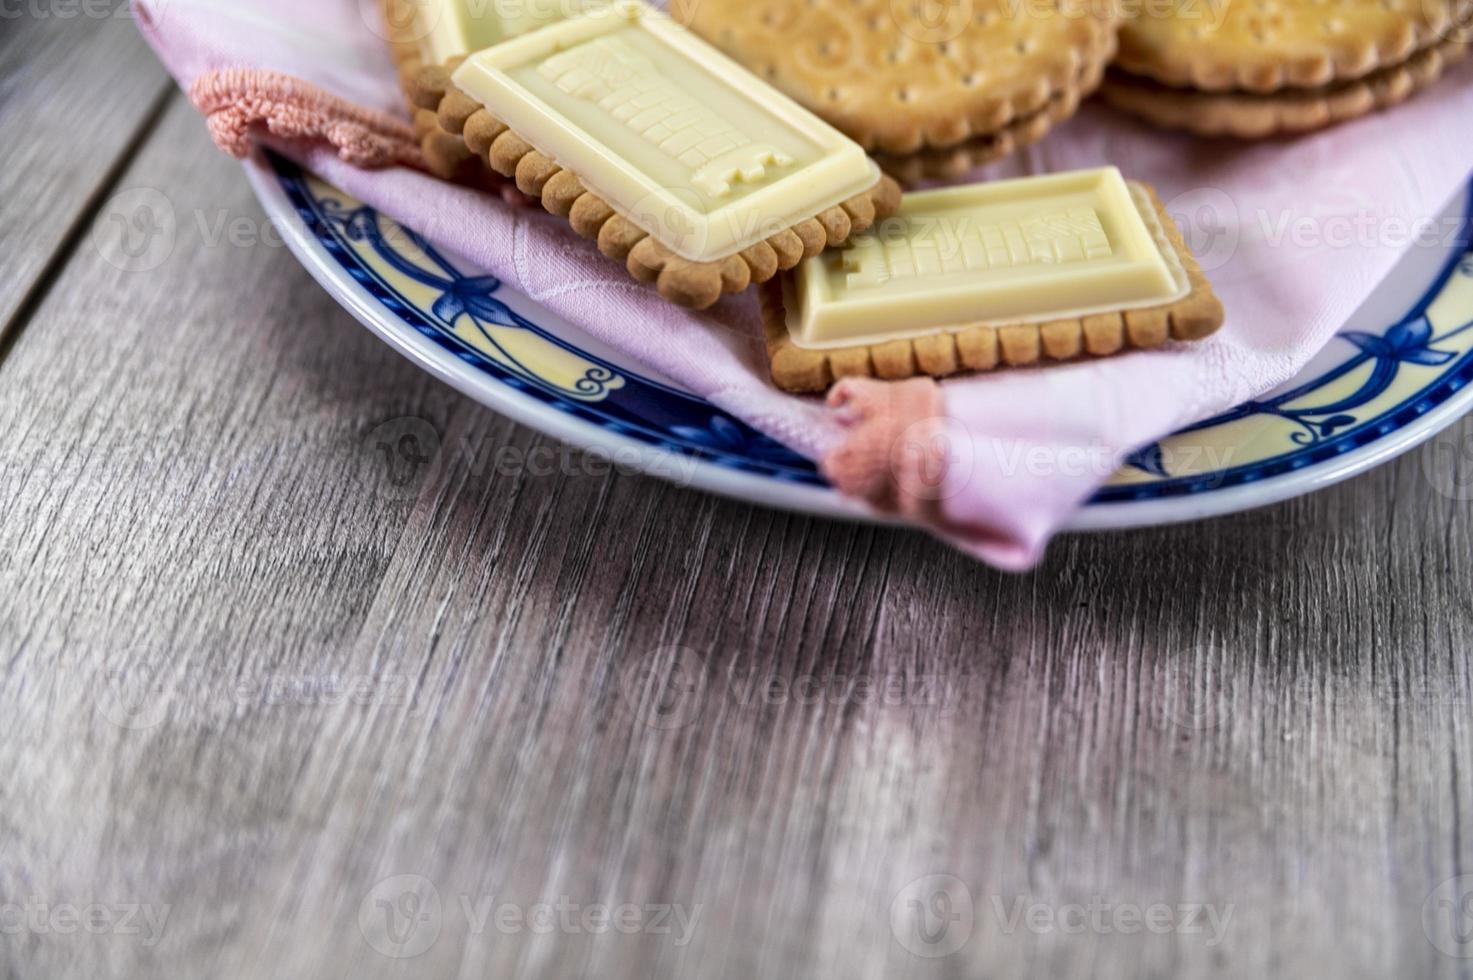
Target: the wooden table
pixel 266 713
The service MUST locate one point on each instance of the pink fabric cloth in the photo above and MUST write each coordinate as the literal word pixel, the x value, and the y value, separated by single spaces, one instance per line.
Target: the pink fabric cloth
pixel 1294 233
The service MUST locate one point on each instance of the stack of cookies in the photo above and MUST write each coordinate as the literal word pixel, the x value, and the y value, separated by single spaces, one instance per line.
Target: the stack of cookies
pixel 703 178
pixel 931 91
pixel 1263 68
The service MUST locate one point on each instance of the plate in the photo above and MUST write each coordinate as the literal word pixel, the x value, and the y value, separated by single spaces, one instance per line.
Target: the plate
pixel 1398 374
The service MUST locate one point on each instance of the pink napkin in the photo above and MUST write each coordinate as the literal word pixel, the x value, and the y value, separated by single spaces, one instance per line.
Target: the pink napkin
pixel 1295 235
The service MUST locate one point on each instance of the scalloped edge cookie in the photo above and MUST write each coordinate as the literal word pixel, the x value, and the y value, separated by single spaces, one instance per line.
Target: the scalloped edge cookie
pixel 941 121
pixel 1252 69
pixel 694 285
pixel 424 86
pixel 957 161
pixel 1244 115
pixel 985 348
pixel 464 142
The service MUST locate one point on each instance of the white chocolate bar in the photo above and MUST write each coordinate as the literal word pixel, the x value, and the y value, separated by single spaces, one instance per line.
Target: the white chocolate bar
pixel 696 150
pixel 451 28
pixel 1032 250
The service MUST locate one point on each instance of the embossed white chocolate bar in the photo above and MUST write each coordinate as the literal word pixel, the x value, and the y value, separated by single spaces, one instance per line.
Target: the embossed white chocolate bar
pixel 1031 250
pixel 450 28
pixel 696 150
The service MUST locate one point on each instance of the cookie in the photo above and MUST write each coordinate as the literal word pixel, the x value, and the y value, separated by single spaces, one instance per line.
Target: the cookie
pixel 1061 235
pixel 425 86
pixel 900 82
pixel 957 161
pixel 1266 46
pixel 1246 115
pixel 620 91
pixel 695 285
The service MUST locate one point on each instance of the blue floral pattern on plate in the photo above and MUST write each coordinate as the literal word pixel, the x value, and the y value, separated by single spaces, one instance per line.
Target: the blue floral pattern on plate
pixel 624 402
pixel 1329 429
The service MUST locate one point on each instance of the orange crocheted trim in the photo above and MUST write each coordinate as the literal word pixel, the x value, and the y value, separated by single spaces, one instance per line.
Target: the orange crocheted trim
pixel 237 100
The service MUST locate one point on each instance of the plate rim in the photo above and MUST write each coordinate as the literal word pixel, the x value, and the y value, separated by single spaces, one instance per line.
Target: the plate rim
pixel 823 501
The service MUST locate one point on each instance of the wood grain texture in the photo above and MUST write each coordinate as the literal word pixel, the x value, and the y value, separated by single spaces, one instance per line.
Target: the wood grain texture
pixel 77 87
pixel 281 619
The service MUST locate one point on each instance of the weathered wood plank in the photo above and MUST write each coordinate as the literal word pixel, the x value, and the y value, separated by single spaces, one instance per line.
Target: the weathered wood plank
pixel 77 87
pixel 176 494
pixel 1193 715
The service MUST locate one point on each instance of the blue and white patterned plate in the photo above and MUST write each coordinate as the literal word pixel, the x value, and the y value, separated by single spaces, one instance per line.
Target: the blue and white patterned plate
pixel 1397 375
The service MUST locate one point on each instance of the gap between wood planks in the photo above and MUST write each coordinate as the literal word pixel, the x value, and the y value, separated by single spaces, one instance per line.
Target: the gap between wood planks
pixel 11 330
